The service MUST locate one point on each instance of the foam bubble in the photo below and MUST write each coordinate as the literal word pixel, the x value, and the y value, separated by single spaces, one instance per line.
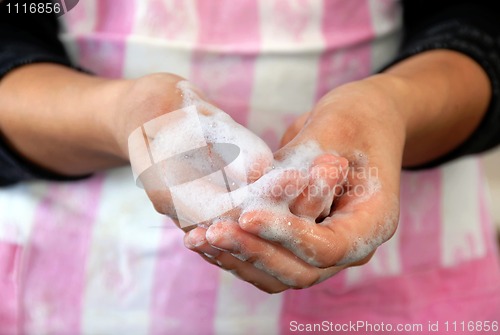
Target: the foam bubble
pixel 219 127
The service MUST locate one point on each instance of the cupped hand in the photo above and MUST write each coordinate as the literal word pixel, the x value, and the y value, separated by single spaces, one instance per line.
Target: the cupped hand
pixel 175 138
pixel 307 194
pixel 359 122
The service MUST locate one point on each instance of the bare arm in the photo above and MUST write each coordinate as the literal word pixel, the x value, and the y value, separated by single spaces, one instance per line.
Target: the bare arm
pixel 442 96
pixel 73 123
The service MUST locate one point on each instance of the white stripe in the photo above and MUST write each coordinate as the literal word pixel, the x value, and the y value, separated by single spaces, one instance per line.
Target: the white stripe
pixel 166 47
pixel 291 25
pixel 145 56
pixel 236 315
pixel 18 206
pixel 282 87
pixel 86 14
pixel 83 17
pixel 387 25
pixel 285 83
pixel 461 213
pixel 121 264
pixel 175 20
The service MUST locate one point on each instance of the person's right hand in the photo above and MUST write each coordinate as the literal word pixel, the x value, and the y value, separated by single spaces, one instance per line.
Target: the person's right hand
pixel 76 124
pixel 359 122
pixel 307 194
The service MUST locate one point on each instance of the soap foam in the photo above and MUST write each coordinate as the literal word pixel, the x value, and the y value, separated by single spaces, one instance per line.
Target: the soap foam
pixel 219 127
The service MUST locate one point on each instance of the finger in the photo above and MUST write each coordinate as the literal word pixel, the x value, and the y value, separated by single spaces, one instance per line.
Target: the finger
pixel 326 175
pixel 343 238
pixel 258 167
pixel 195 240
pixel 268 257
pixel 160 194
pixel 331 159
pixel 249 273
pixel 365 260
pixel 280 185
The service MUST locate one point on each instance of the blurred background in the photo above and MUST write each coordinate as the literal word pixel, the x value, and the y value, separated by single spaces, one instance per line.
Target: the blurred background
pixel 492 167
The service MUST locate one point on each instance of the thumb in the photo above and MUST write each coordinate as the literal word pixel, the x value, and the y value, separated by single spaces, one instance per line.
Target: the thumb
pixel 294 129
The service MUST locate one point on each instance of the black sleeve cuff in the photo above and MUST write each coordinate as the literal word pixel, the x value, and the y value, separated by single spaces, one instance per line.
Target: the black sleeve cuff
pixel 27 39
pixel 473 31
pixel 14 168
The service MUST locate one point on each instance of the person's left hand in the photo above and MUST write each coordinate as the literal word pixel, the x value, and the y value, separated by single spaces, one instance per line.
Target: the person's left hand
pixel 276 252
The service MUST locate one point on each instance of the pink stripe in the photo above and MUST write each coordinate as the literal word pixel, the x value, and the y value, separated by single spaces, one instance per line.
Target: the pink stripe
pixel 53 276
pixel 420 224
pixel 347 37
pixel 185 290
pixel 113 20
pixel 9 294
pixel 470 291
pixel 170 20
pixel 232 26
pixel 227 78
pixel 103 50
pixel 102 55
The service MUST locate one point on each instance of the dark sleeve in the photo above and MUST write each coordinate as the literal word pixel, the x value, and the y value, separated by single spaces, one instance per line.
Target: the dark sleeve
pixel 26 39
pixel 471 27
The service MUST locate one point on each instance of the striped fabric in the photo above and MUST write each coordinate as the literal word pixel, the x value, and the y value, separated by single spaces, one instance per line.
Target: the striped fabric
pixel 92 257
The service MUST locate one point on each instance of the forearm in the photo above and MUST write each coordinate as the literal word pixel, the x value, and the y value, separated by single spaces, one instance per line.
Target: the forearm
pixel 442 97
pixel 58 118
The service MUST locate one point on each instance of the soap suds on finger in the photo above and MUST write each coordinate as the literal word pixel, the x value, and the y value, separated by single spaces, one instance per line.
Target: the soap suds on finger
pixel 209 181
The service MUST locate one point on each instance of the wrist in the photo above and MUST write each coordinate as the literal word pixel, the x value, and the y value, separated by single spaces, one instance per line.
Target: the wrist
pixel 135 102
pixel 364 114
pixel 61 120
pixel 438 92
pixel 103 101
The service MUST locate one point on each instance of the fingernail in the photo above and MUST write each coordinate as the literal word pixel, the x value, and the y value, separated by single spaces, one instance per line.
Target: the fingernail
pixel 211 255
pixel 241 257
pixel 187 242
pixel 221 249
pixel 253 217
pixel 246 218
pixel 219 242
pixel 194 241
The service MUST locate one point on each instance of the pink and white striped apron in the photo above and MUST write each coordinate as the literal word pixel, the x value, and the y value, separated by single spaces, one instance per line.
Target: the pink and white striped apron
pixel 92 257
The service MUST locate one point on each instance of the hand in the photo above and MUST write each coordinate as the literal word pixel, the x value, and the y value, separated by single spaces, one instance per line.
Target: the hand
pixel 184 151
pixel 360 123
pixel 305 193
pixel 419 110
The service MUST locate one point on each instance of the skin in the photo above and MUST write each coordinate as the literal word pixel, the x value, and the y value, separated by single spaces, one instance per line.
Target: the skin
pixel 73 123
pixel 400 119
pixel 415 112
